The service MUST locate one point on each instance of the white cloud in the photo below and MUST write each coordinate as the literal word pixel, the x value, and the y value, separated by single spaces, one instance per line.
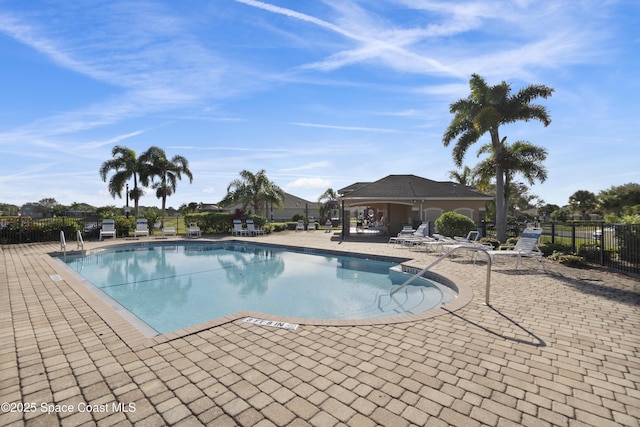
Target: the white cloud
pixel 314 165
pixel 349 128
pixel 310 183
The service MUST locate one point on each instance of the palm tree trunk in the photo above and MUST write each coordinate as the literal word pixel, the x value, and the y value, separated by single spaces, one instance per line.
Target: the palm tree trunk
pixel 137 197
pixel 501 211
pixel 501 207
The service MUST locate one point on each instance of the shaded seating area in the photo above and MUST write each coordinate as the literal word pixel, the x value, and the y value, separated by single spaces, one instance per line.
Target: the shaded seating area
pixel 108 228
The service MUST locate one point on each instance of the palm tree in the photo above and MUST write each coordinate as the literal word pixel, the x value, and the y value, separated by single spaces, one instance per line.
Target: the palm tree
pixel 157 165
pixel 520 157
pixel 126 166
pixel 254 190
pixel 325 201
pixel 484 111
pixel 464 177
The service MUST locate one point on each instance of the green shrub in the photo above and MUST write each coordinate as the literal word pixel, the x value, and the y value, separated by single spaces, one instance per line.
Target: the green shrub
pixel 278 226
pixel 494 242
pixel 591 252
pixel 124 225
pixel 569 260
pixel 629 240
pixel 454 224
pixel 211 222
pixel 549 248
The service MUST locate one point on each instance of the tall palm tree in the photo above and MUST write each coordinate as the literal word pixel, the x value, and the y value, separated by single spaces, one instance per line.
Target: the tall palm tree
pixel 126 166
pixel 254 190
pixel 484 111
pixel 325 200
pixel 168 172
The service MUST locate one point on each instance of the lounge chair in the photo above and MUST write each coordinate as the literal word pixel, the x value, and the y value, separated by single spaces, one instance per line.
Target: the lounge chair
pixel 193 230
pixel 237 229
pixel 312 225
pixel 142 228
pixel 168 231
pixel 108 228
pixel 328 226
pixel 470 242
pixel 527 246
pixel 406 231
pixel 300 225
pixel 252 230
pixel 414 238
pixel 437 242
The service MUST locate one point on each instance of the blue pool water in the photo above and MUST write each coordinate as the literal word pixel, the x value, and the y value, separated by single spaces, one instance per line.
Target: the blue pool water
pixel 173 286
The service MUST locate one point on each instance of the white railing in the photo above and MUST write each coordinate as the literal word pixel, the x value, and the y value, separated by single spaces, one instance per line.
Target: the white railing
pixel 443 256
pixel 80 240
pixel 63 243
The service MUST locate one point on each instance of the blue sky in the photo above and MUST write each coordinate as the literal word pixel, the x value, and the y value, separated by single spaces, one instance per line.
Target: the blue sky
pixel 318 93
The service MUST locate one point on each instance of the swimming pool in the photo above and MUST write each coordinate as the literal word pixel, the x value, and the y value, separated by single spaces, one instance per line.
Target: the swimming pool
pixel 174 286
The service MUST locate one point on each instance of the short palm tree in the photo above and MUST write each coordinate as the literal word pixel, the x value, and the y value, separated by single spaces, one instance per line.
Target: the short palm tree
pixel 254 190
pixel 156 165
pixel 126 166
pixel 520 157
pixel 484 111
pixel 464 177
pixel 325 200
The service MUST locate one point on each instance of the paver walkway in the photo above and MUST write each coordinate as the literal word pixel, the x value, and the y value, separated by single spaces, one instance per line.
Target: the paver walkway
pixel 555 349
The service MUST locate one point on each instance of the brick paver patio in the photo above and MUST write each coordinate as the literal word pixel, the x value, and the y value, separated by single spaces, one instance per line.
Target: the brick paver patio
pixel 554 349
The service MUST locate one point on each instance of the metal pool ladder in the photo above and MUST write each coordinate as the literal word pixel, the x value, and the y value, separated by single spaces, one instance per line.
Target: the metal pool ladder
pixel 443 256
pixel 63 242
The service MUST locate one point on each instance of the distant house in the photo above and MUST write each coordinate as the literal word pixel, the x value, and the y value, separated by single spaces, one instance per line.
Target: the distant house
pixel 292 205
pixel 210 207
pixel 399 200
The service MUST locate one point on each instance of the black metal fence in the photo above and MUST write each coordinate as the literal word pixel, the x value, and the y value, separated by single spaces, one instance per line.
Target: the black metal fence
pixel 28 230
pixel 614 246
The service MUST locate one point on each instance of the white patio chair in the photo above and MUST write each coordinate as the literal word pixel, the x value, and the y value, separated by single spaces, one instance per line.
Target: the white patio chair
pixel 252 230
pixel 237 229
pixel 527 246
pixel 108 228
pixel 142 228
pixel 193 230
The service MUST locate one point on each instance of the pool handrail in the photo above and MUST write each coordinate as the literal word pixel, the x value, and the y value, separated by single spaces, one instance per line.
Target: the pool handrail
pixel 80 240
pixel 443 256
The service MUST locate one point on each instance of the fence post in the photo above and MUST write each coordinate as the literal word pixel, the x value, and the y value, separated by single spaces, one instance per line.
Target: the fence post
pixel 602 239
pixel 573 237
pixel 553 232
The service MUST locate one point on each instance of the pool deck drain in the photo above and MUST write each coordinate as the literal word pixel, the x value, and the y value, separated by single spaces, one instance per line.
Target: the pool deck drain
pixel 556 349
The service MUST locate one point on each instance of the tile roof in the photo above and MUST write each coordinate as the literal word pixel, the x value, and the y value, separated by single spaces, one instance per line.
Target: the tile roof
pixel 410 187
